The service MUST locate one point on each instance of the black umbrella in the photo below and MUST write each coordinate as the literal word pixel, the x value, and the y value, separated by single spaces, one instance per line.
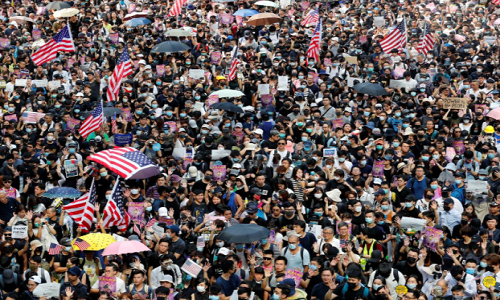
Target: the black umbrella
pixel 108 112
pixel 244 233
pixel 57 5
pixel 227 106
pixel 170 47
pixel 371 89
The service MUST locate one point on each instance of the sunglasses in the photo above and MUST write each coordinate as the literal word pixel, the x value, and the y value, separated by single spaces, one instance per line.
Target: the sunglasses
pixel 281 144
pixel 267 258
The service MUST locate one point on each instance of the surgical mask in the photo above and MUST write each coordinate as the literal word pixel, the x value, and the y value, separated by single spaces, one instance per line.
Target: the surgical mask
pixel 341 159
pixel 470 271
pixel 366 113
pixel 435 156
pixel 379 147
pixel 149 208
pixel 182 115
pixel 458 181
pixel 213 297
pixel 336 178
pixel 138 112
pixel 318 196
pixel 491 155
pixel 197 97
pixel 384 207
pixel 134 191
pixel 238 246
pixel 169 113
pixel 220 244
pixel 275 296
pixel 381 222
pixel 104 174
pixel 200 289
pixel 434 186
pixel 50 138
pixel 363 162
pixel 72 150
pixel 292 246
pixel 408 204
pixel 263 241
pixel 388 157
pixel 304 139
pixel 376 287
pixel 483 264
pixel 154 105
pixel 300 124
pixel 398 114
pixel 369 220
pixel 358 208
pixel 395 144
pixel 411 286
pixel 309 130
pixel 381 118
pixel 425 158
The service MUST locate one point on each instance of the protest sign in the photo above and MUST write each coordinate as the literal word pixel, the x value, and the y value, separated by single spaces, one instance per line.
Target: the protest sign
pixel 282 83
pixel 212 99
pixel 336 123
pixel 47 290
pixel 160 70
pixel 12 117
pixel 136 212
pixel 431 237
pixel 114 38
pixel 127 114
pixel 353 60
pixel 40 83
pixel 477 187
pixel 36 34
pixel 107 284
pixel 218 154
pixel 71 167
pixel 329 152
pixel 378 168
pixel 378 21
pixel 196 73
pixel 191 268
pixel 450 153
pixel 226 18
pixel 394 84
pixel 21 82
pixel 459 147
pixel 71 123
pixel 54 84
pixel 19 231
pixel 121 140
pixel 263 89
pixel 219 172
pixel 408 222
pixel 4 43
pixel 216 57
pixel 296 275
pixel 454 103
pixel 266 100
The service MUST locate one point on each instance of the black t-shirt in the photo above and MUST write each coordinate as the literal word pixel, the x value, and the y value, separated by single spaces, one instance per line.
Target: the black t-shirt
pixel 377 232
pixel 269 144
pixel 265 190
pixel 408 270
pixel 351 294
pixel 410 213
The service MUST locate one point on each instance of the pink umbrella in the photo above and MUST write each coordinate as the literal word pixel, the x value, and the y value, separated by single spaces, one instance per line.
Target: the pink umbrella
pixel 125 247
pixel 495 113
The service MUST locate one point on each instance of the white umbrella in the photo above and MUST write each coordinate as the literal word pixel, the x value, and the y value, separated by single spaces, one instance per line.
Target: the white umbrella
pixel 267 3
pixel 21 19
pixel 66 13
pixel 228 93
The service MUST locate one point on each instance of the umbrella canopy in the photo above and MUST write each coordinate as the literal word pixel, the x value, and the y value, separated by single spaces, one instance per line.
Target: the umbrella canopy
pixel 371 89
pixel 126 162
pixel 226 93
pixel 267 3
pixel 227 106
pixel 170 47
pixel 66 13
pixel 264 19
pixel 125 247
pixel 246 12
pixel 58 5
pixel 495 113
pixel 136 14
pixel 108 112
pixel 21 19
pixel 97 241
pixel 137 22
pixel 244 233
pixel 177 33
pixel 62 192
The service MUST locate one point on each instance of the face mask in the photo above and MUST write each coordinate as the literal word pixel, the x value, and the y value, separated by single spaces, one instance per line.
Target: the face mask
pixel 200 289
pixel 483 264
pixel 341 159
pixel 491 155
pixel 72 150
pixel 220 244
pixel 411 286
pixel 289 213
pixel 352 285
pixel 470 271
pixel 388 157
pixel 139 112
pixel 369 220
pixel 366 113
pixel 317 196
pixel 376 287
pixel 379 147
pixel 134 191
pixel 304 139
pixel 381 222
pixel 381 118
pixel 363 162
pixel 408 204
pixel 213 297
pixel 446 208
pixel 300 124
pixel 458 181
pixel 309 130
pixel 358 208
pixel 384 207
pixel 336 178
pixel 292 246
pixel 395 145
pixel 104 174
pixel 169 113
pixel 398 114
pixel 50 138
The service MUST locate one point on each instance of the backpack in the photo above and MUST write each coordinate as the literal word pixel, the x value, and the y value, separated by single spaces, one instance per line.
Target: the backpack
pixel 288 154
pixel 395 274
pixel 146 288
pixel 366 291
pixel 427 183
pixel 301 252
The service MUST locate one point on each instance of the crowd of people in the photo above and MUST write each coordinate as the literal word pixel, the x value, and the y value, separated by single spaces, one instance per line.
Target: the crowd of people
pixel 365 196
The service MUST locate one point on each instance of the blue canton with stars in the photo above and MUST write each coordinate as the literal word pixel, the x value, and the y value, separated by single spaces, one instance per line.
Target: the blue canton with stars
pixel 63 34
pixel 138 158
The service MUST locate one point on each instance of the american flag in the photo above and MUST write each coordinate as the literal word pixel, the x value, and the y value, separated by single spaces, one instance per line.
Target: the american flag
pixel 124 161
pixel 427 42
pixel 311 18
pixel 92 122
pixel 151 222
pixel 81 244
pixel 114 213
pixel 122 70
pixel 55 249
pixel 234 66
pixel 176 8
pixel 396 39
pixel 88 212
pixel 60 42
pixel 113 124
pixel 32 117
pixel 191 268
pixel 497 2
pixel 313 51
pixel 137 229
pixel 75 209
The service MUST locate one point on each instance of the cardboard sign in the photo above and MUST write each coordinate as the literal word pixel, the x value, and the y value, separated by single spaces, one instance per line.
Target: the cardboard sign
pixel 353 60
pixel 121 140
pixel 19 231
pixel 71 167
pixel 454 103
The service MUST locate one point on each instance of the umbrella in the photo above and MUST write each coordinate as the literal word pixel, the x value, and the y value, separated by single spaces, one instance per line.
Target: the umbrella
pixel 264 19
pixel 244 233
pixel 62 192
pixel 137 22
pixel 127 162
pixel 245 12
pixel 170 47
pixel 227 106
pixel 58 5
pixel 108 112
pixel 178 32
pixel 371 89
pixel 226 93
pixel 97 241
pixel 66 13
pixel 267 3
pixel 136 14
pixel 21 19
pixel 494 113
pixel 125 247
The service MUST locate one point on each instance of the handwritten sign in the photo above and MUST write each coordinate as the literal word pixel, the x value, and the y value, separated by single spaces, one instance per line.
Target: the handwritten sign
pixel 136 212
pixel 19 231
pixel 47 290
pixel 352 60
pixel 219 172
pixel 378 21
pixel 454 103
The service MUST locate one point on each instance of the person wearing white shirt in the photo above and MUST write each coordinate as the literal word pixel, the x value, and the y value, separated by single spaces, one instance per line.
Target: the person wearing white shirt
pixel 35 262
pixel 283 153
pixel 166 266
pixel 111 271
pixel 456 275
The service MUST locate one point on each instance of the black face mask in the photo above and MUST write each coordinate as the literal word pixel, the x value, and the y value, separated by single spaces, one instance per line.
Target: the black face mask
pixel 208 177
pixel 446 208
pixel 475 246
pixel 352 285
pixel 464 222
pixel 411 260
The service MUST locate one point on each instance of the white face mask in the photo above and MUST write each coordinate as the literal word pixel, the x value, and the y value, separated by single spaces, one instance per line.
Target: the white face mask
pixel 200 289
pixel 317 196
pixel 134 191
pixel 358 208
pixel 50 138
pixel 220 245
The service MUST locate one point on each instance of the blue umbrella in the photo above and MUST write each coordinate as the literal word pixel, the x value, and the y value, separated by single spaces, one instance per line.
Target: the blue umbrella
pixel 62 192
pixel 137 22
pixel 245 12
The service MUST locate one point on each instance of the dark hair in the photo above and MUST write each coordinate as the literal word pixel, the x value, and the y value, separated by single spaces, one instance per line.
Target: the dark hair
pixel 281 258
pixel 227 265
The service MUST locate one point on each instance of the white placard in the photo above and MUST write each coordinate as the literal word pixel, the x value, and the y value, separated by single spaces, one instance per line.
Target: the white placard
pixel 379 21
pixel 251 146
pixel 314 229
pixel 196 73
pixel 179 152
pixel 40 83
pixel 158 230
pixel 351 80
pixel 397 84
pixel 218 154
pixel 282 83
pixel 407 222
pixel 47 290
pixel 489 39
pixel 54 84
pixel 19 231
pixel 264 89
pixel 21 82
pixel 477 187
pixel 198 106
pixel 119 238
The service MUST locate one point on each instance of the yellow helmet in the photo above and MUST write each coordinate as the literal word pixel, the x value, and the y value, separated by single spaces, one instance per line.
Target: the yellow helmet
pixel 489 129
